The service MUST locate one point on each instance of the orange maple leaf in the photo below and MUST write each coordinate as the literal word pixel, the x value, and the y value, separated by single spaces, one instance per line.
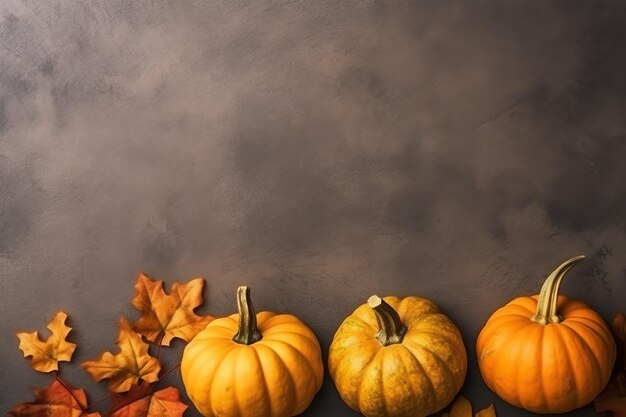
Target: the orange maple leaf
pixel 141 401
pixel 127 367
pixel 613 398
pixel 46 355
pixel 166 316
pixel 54 401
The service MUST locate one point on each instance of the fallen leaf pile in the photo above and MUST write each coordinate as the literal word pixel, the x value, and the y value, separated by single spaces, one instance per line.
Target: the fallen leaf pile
pixel 132 373
pixel 462 407
pixel 613 398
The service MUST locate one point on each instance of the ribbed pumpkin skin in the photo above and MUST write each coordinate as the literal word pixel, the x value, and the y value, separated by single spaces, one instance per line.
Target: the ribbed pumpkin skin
pixel 277 376
pixel 553 368
pixel 417 377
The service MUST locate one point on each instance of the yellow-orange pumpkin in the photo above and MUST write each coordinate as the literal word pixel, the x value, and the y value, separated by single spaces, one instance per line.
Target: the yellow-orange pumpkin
pixel 397 357
pixel 546 353
pixel 252 365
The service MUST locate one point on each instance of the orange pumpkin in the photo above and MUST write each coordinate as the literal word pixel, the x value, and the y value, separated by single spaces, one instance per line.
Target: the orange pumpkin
pixel 546 353
pixel 271 367
pixel 397 357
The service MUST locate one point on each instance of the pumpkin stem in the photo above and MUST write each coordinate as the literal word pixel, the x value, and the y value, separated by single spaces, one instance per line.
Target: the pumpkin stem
pixel 546 305
pixel 247 332
pixel 390 327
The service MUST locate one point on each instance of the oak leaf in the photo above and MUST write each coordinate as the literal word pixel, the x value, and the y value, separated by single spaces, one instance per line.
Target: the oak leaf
pixel 166 316
pixel 127 367
pixel 613 398
pixel 46 355
pixel 54 401
pixel 142 401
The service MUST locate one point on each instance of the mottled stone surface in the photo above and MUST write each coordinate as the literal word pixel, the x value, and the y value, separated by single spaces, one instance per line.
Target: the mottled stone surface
pixel 318 151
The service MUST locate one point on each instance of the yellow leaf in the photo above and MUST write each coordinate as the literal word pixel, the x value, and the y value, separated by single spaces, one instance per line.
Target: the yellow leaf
pixel 127 367
pixel 166 316
pixel 461 408
pixel 46 355
pixel 487 412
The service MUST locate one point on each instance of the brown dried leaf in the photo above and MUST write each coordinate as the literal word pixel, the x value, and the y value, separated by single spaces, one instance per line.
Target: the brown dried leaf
pixel 166 316
pixel 461 407
pixel 46 355
pixel 141 401
pixel 54 401
pixel 127 367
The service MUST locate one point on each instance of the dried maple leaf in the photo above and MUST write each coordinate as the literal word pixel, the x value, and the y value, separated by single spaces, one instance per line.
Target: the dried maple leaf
pixel 613 398
pixel 487 412
pixel 46 355
pixel 141 401
pixel 127 367
pixel 54 401
pixel 165 316
pixel 461 408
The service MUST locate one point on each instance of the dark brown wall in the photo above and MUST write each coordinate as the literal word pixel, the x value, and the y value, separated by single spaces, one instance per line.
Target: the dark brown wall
pixel 319 151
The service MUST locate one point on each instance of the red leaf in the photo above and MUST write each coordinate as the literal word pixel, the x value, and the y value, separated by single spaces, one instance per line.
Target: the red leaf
pixel 54 401
pixel 141 401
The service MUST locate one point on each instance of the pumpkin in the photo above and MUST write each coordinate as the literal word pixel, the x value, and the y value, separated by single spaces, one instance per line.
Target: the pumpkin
pixel 252 365
pixel 546 353
pixel 397 357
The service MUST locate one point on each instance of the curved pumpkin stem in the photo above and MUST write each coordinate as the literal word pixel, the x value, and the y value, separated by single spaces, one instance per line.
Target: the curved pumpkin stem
pixel 390 327
pixel 547 304
pixel 248 331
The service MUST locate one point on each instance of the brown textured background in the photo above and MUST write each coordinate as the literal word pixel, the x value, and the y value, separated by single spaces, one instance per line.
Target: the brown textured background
pixel 319 151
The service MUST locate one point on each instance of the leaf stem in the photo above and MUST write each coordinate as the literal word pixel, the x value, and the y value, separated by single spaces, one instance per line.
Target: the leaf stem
pixel 169 371
pixel 101 400
pixel 67 388
pixel 131 399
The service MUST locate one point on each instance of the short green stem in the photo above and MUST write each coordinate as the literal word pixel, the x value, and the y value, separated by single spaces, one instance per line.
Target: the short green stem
pixel 548 297
pixel 248 331
pixel 390 327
